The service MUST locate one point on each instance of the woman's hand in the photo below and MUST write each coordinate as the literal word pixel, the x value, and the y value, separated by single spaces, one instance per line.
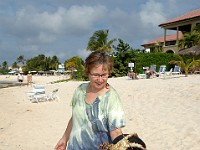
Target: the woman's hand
pixel 61 145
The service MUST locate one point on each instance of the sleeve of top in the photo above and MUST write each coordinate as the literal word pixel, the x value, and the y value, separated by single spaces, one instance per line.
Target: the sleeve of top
pixel 73 101
pixel 116 117
pixel 77 94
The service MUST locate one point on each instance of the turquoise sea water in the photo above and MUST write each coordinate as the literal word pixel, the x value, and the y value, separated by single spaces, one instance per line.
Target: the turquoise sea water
pixel 5 84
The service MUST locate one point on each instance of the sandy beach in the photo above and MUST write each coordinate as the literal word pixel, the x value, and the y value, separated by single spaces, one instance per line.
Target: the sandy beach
pixel 164 112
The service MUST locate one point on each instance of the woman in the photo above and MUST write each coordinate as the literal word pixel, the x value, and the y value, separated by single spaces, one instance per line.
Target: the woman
pixel 97 113
pixel 29 78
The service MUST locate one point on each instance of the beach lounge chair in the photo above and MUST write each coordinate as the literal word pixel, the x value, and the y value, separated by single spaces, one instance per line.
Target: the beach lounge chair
pixel 143 74
pixel 176 71
pixel 168 74
pixel 153 68
pixel 161 70
pixel 45 97
pixel 52 96
pixel 38 97
pixel 36 89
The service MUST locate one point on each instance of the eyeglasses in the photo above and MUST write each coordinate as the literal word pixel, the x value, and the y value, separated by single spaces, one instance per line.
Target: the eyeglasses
pixel 96 75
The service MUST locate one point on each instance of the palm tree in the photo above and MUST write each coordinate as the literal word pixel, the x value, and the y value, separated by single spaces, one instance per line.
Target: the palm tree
pixel 192 39
pixel 185 65
pixel 75 64
pixel 5 65
pixel 197 28
pixel 21 59
pixel 54 63
pixel 14 65
pixel 99 41
pixel 189 40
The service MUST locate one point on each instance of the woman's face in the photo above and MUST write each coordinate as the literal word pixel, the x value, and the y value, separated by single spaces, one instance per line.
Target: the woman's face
pixel 98 77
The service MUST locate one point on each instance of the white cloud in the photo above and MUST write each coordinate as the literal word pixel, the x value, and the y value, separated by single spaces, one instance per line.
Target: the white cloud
pixel 152 13
pixel 123 24
pixel 47 26
pixel 46 37
pixel 83 53
pixel 63 27
pixel 83 17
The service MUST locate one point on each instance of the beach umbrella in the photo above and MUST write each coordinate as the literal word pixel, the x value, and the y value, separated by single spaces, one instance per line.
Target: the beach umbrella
pixel 12 72
pixel 33 71
pixel 194 51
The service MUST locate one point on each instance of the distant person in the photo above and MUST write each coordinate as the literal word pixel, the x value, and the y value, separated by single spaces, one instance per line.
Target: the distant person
pixel 148 73
pixel 132 75
pixel 20 78
pixel 29 79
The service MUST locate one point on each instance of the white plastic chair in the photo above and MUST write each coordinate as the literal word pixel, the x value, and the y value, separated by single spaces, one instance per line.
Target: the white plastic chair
pixel 52 96
pixel 45 97
pixel 38 97
pixel 38 89
pixel 168 74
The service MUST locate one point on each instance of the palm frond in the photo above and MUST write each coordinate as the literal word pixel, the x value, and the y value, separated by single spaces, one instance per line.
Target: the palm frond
pixel 99 41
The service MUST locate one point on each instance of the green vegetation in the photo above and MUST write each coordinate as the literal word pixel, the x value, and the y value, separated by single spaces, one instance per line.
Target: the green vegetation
pixel 192 39
pixel 140 60
pixel 122 54
pixel 185 63
pixel 4 68
pixel 99 41
pixel 76 67
pixel 21 59
pixel 41 62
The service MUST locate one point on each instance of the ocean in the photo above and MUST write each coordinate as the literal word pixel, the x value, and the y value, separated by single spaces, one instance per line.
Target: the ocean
pixel 5 84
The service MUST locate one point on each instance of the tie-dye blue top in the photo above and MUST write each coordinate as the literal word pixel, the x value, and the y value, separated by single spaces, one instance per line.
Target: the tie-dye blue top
pixel 92 122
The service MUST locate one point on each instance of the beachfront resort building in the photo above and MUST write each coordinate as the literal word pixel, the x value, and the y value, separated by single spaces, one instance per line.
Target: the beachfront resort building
pixel 61 68
pixel 181 25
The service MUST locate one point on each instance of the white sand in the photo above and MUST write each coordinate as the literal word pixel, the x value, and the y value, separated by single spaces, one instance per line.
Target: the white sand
pixel 164 113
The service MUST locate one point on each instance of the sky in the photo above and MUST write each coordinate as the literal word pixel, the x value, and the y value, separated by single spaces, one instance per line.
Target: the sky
pixel 63 27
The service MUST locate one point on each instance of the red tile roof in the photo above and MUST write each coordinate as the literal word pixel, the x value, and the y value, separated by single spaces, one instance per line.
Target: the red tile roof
pixel 190 15
pixel 168 38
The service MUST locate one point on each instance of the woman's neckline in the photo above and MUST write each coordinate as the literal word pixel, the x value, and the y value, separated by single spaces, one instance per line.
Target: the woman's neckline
pixel 100 95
